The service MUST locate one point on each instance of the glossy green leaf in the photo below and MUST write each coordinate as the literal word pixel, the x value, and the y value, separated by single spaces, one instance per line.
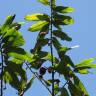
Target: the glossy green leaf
pixel 85 64
pixel 13 38
pixel 38 26
pixel 37 17
pixel 62 9
pixel 45 2
pixel 61 35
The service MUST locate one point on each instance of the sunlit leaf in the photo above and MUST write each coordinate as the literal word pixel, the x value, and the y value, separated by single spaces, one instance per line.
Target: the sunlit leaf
pixel 19 53
pixel 37 17
pixel 86 64
pixel 13 38
pixel 82 71
pixel 7 23
pixel 45 2
pixel 38 26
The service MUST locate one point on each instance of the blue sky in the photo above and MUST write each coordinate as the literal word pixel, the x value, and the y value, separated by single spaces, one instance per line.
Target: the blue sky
pixel 82 32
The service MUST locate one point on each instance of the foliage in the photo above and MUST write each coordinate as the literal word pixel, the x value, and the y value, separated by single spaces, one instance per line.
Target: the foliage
pixel 15 57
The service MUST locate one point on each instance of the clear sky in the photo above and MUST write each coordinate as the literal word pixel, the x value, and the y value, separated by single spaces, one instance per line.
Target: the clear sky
pixel 82 32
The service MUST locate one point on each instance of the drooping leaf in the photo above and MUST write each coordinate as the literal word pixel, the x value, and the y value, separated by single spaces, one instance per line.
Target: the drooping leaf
pixel 74 90
pixel 37 17
pixel 14 75
pixel 56 43
pixel 38 26
pixel 62 9
pixel 80 85
pixel 57 26
pixel 61 35
pixel 45 2
pixel 16 68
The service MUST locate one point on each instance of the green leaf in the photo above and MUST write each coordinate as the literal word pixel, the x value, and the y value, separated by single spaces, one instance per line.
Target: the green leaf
pixel 85 64
pixel 80 85
pixel 62 9
pixel 61 35
pixel 8 22
pixel 40 43
pixel 45 2
pixel 7 77
pixel 38 26
pixel 49 57
pixel 13 38
pixel 12 72
pixel 37 63
pixel 29 84
pixel 82 71
pixel 37 17
pixel 15 25
pixel 16 68
pixel 63 69
pixel 62 19
pixel 56 89
pixel 64 92
pixel 19 53
pixel 56 43
pixel 74 90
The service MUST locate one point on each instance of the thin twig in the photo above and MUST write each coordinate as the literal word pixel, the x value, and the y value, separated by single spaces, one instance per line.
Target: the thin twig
pixel 37 76
pixel 66 83
pixel 51 48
